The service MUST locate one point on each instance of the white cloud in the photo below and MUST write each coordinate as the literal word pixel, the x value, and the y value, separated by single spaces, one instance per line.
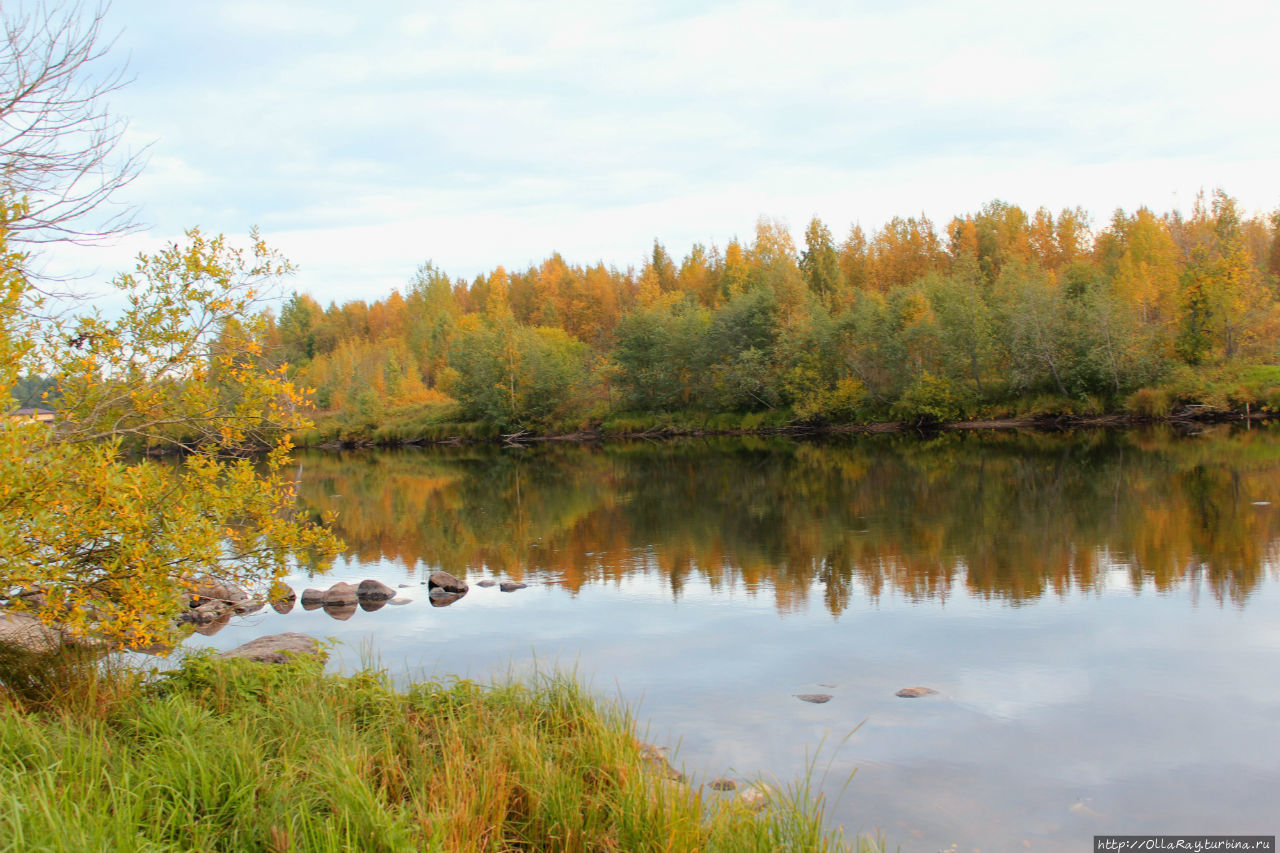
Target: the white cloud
pixel 368 139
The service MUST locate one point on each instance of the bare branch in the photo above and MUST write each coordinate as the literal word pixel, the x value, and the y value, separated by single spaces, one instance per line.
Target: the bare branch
pixel 61 149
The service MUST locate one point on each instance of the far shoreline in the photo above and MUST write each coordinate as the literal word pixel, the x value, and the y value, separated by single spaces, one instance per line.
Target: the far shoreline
pixel 1042 423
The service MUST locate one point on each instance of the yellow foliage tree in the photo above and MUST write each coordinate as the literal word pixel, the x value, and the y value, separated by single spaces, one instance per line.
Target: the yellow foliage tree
pixel 105 537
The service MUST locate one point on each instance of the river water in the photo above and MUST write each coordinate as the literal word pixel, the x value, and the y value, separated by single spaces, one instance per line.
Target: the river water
pixel 1097 612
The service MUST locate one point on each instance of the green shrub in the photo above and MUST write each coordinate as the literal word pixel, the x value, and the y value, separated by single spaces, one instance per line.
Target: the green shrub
pixel 1149 403
pixel 931 399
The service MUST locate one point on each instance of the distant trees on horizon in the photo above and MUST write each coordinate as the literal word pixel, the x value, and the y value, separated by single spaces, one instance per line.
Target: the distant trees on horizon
pixel 908 321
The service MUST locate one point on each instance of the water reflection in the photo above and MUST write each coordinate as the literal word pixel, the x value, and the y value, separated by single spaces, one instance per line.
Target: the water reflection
pixel 1012 517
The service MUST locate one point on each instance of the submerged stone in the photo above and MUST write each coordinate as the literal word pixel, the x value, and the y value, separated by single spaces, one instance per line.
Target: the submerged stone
pixel 815 698
pixel 656 758
pixel 754 797
pixel 915 692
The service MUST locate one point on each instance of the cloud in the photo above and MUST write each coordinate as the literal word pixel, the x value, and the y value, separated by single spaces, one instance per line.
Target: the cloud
pixel 470 131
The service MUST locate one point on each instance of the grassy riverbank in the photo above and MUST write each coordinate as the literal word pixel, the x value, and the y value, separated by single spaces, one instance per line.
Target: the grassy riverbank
pixel 235 756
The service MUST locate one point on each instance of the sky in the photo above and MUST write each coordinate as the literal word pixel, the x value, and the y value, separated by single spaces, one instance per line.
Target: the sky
pixel 367 138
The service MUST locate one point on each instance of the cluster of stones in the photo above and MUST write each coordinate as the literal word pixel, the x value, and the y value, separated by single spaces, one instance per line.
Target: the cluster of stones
pixel 210 603
pixel 341 600
pixel 505 586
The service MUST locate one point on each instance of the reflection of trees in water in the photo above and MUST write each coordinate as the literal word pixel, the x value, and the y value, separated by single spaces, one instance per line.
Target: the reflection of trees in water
pixel 1011 516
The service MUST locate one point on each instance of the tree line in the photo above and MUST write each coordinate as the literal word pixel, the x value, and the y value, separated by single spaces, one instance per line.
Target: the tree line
pixel 1001 312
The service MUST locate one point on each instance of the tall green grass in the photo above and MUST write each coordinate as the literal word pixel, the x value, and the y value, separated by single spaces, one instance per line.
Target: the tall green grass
pixel 238 756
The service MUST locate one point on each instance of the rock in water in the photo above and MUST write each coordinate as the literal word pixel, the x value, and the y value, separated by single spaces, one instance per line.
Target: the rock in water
pixel 282 598
pixel 312 598
pixel 277 648
pixel 369 605
pixel 439 598
pixel 339 595
pixel 915 692
pixel 210 611
pixel 753 797
pixel 373 590
pixel 341 612
pixel 34 598
pixel 399 600
pixel 208 629
pixel 511 586
pixel 815 698
pixel 656 758
pixel 217 590
pixel 723 785
pixel 1084 811
pixel 487 582
pixel 447 582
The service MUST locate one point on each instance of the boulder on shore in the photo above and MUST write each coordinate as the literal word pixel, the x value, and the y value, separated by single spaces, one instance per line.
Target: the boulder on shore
pixel 34 598
pixel 277 648
pixel 447 582
pixel 372 590
pixel 27 632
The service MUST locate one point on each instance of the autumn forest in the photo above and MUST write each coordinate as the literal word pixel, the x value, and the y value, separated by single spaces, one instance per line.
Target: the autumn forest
pixel 1001 313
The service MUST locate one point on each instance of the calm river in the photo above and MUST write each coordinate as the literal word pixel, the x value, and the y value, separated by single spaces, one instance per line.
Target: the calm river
pixel 1099 613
